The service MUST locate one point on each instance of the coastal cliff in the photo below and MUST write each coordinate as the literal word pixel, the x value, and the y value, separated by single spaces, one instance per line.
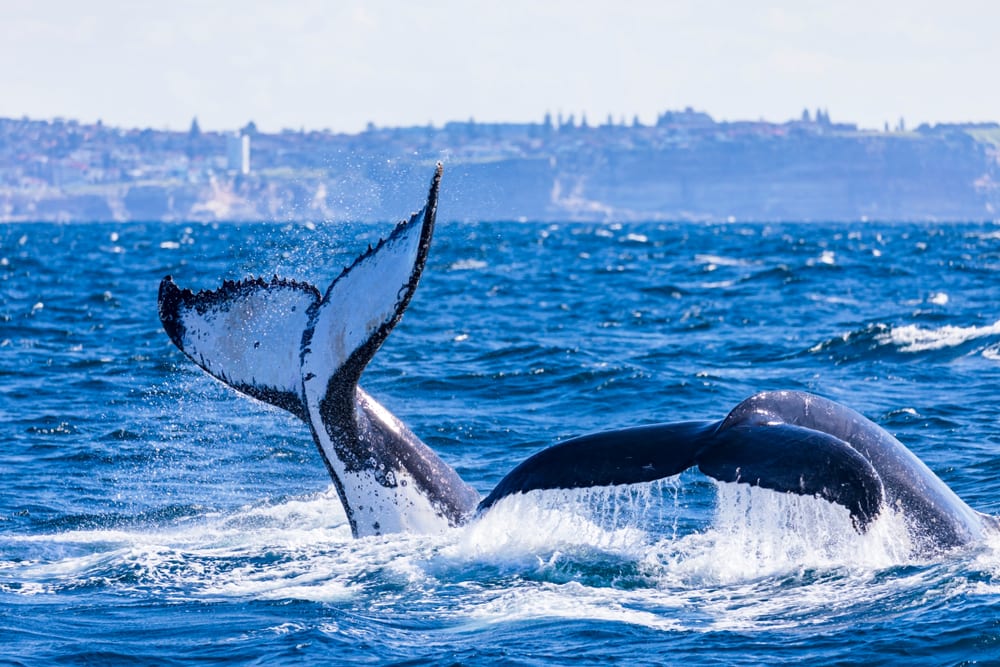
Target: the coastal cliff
pixel 685 167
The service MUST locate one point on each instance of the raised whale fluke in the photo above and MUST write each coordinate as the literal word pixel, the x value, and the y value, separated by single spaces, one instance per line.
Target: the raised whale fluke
pixel 282 342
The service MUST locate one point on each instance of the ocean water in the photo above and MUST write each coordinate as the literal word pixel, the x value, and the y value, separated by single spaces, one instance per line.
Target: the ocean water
pixel 150 515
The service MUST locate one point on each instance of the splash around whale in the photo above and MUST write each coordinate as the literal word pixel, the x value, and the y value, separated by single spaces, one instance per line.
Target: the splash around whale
pixel 286 343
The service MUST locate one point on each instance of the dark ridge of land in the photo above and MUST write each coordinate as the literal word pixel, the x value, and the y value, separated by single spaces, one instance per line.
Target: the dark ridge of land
pixel 685 167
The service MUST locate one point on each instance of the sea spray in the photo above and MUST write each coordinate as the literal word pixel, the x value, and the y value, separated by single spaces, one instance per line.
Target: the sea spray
pixel 756 532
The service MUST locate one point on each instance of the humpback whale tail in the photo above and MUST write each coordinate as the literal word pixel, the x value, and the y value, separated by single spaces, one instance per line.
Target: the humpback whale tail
pixel 284 343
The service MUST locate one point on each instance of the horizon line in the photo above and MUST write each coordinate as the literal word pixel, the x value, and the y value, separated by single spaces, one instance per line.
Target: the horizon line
pixel 574 121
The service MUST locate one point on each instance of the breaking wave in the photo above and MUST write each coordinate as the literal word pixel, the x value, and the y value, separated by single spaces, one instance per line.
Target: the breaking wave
pixel 912 339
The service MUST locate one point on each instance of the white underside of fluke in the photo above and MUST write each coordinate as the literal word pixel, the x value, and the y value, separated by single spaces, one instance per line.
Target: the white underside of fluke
pixel 250 333
pixel 363 300
pixel 375 509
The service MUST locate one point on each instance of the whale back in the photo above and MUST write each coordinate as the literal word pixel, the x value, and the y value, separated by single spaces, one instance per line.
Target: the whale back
pixel 935 514
pixel 779 457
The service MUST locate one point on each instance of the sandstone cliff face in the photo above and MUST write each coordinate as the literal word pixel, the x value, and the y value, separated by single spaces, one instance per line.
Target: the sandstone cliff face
pixel 812 178
pixel 828 178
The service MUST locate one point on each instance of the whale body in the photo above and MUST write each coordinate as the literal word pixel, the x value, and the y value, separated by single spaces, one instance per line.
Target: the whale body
pixel 285 343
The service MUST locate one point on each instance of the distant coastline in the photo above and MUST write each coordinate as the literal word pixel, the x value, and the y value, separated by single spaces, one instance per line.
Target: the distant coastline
pixel 686 166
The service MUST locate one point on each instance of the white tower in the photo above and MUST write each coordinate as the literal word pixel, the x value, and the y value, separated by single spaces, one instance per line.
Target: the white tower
pixel 238 152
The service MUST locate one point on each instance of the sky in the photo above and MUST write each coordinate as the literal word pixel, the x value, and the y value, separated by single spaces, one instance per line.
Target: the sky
pixel 340 64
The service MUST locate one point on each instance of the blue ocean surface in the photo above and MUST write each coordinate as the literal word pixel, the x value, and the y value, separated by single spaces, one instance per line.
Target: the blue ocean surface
pixel 151 515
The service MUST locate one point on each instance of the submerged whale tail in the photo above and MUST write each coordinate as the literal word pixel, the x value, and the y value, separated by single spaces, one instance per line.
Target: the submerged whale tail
pixel 284 343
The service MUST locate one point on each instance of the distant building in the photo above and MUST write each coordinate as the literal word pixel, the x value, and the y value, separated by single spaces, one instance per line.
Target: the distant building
pixel 238 153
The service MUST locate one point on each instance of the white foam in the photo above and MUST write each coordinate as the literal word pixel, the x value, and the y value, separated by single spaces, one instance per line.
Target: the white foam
pixel 193 558
pixel 827 257
pixel 766 560
pixel 986 236
pixel 468 265
pixel 573 601
pixel 835 299
pixel 721 284
pixel 760 559
pixel 987 560
pixel 912 338
pixel 718 260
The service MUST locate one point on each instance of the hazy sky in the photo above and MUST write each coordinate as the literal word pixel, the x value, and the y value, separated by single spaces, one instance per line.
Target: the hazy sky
pixel 339 64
